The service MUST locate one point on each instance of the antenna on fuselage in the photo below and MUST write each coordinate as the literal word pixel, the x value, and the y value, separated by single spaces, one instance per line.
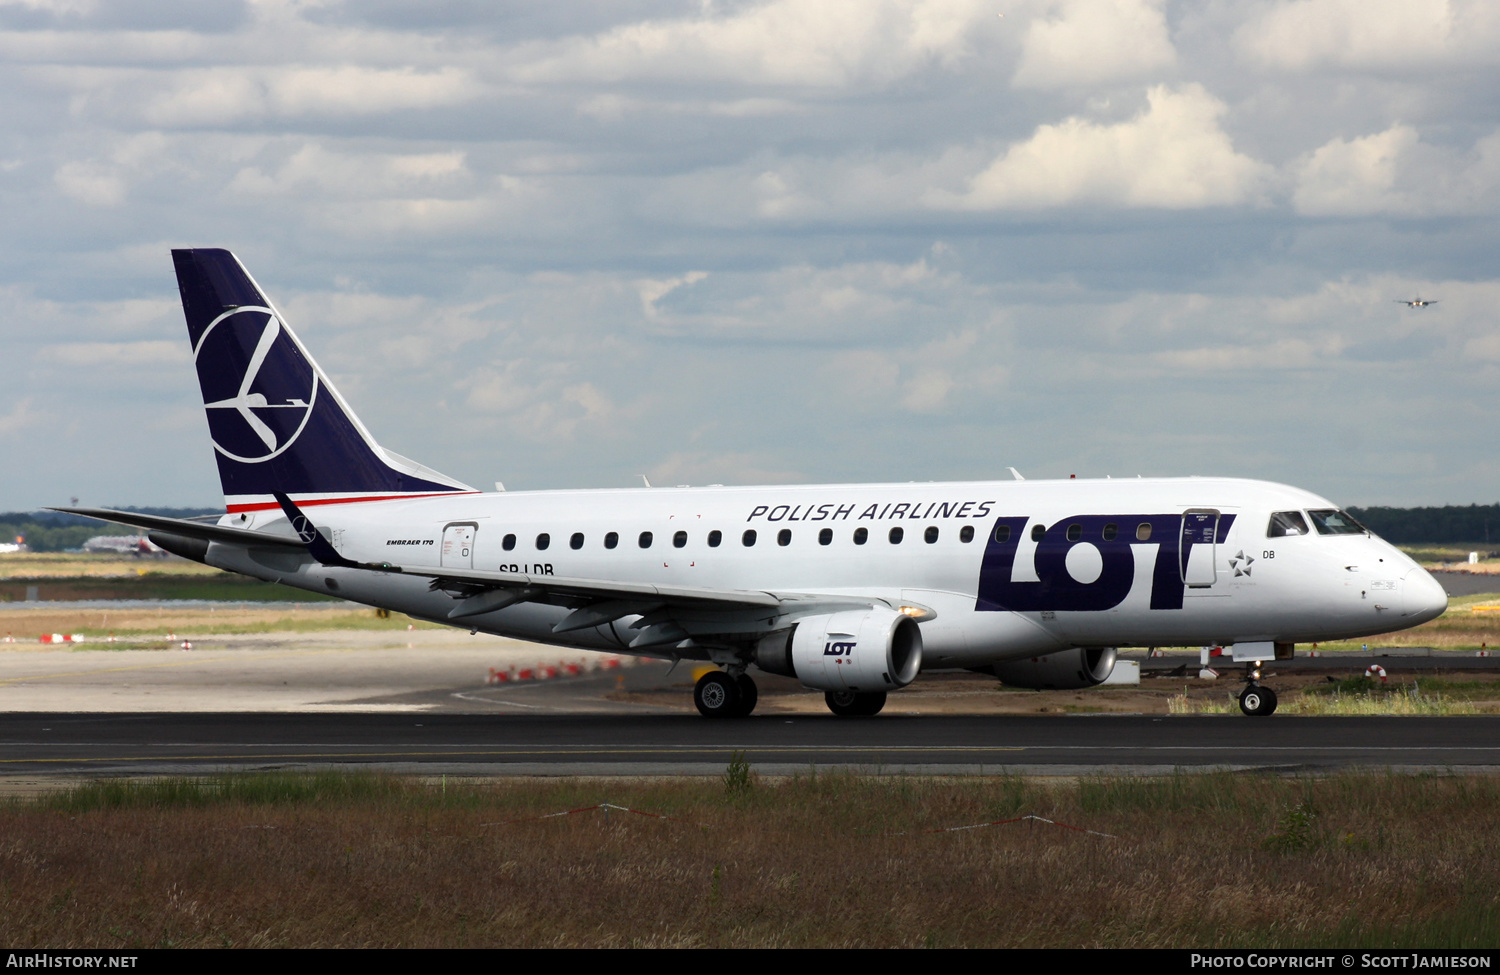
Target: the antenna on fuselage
pixel 645 480
pixel 1015 474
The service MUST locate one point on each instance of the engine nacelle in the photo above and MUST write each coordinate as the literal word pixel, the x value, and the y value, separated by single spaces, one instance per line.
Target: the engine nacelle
pixel 865 650
pixel 1064 670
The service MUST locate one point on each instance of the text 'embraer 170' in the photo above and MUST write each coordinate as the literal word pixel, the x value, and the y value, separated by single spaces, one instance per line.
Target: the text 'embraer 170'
pixel 852 589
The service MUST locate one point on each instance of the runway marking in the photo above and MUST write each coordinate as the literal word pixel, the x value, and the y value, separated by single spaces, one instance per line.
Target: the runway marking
pixel 490 700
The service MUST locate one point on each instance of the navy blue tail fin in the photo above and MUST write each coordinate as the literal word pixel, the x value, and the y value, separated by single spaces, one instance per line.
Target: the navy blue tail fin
pixel 278 425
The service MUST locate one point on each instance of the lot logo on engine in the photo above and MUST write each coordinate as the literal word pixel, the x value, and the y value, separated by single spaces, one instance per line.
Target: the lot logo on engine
pixel 838 649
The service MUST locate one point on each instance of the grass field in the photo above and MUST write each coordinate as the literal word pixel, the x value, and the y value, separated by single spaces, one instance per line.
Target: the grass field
pixel 62 577
pixel 1454 556
pixel 1357 860
pixel 136 627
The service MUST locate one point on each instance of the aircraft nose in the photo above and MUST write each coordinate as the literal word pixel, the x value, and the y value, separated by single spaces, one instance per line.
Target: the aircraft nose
pixel 1422 597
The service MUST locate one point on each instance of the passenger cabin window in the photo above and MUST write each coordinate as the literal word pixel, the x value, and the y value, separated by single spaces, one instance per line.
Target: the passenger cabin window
pixel 861 535
pixel 966 533
pixel 1143 531
pixel 1038 532
pixel 1075 532
pixel 714 538
pixel 748 539
pixel 1002 533
pixel 645 540
pixel 1331 521
pixel 931 535
pixel 1110 531
pixel 784 537
pixel 1285 523
pixel 542 541
pixel 508 542
pixel 825 537
pixel 611 539
pixel 576 542
pixel 897 534
pixel 679 539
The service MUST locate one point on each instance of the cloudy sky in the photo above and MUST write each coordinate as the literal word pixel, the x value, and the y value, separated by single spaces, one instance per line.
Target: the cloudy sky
pixel 561 245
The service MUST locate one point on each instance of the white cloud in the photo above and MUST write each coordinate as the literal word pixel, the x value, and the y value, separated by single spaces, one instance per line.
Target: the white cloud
pixel 536 399
pixel 1291 353
pixel 1354 176
pixel 612 106
pixel 1089 42
pixel 1304 34
pixel 927 391
pixel 685 467
pixel 1394 172
pixel 106 181
pixel 831 43
pixel 119 354
pixel 1173 155
pixel 93 183
pixel 652 290
pixel 226 95
pixel 313 167
pixel 19 418
pixel 846 304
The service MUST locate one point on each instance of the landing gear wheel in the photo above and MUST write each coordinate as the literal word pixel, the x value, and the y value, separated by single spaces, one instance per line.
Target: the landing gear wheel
pixel 717 695
pixel 1257 701
pixel 849 704
pixel 749 694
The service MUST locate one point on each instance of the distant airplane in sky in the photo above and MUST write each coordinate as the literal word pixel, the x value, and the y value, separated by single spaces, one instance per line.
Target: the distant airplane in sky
pixel 1418 302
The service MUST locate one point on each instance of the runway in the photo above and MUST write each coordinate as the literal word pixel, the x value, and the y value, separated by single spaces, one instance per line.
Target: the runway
pixel 421 702
pixel 127 744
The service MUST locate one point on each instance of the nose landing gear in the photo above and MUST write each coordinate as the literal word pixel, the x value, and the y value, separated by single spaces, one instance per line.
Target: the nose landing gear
pixel 1256 700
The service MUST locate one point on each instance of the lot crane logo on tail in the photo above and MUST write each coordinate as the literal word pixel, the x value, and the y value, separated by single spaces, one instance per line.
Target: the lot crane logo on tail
pixel 258 408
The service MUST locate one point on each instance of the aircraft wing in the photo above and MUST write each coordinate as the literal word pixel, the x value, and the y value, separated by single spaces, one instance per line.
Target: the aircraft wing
pixel 668 614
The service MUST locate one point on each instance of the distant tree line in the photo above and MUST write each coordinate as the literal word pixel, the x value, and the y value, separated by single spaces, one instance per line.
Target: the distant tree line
pixel 52 531
pixel 1476 523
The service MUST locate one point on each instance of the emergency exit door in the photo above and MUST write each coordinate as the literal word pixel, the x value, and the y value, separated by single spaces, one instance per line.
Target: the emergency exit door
pixel 458 545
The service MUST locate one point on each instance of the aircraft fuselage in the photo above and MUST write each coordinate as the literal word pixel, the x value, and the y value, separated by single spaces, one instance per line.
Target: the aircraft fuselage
pixel 991 570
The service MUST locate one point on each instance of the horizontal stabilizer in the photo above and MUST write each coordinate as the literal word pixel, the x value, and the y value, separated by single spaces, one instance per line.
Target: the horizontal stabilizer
pixel 187 529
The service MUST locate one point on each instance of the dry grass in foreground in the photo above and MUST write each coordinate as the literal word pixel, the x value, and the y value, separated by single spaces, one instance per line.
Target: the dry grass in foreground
pixel 1368 860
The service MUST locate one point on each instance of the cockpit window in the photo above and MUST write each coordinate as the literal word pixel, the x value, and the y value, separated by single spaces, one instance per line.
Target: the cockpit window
pixel 1331 521
pixel 1286 523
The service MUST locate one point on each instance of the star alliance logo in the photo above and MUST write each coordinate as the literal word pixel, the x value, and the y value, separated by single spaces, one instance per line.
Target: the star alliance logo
pixel 1241 563
pixel 258 388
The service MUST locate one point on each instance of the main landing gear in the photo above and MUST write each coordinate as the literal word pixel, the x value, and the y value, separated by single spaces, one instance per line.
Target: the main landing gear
pixel 721 695
pixel 1256 700
pixel 849 704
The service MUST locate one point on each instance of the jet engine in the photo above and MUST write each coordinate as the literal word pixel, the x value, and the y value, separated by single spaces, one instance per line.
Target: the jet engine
pixel 1064 670
pixel 864 650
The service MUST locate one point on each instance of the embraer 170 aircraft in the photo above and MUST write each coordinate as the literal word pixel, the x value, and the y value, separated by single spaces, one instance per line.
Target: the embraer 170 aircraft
pixel 853 589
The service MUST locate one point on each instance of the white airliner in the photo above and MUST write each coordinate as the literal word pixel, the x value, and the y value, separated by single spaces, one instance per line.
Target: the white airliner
pixel 853 589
